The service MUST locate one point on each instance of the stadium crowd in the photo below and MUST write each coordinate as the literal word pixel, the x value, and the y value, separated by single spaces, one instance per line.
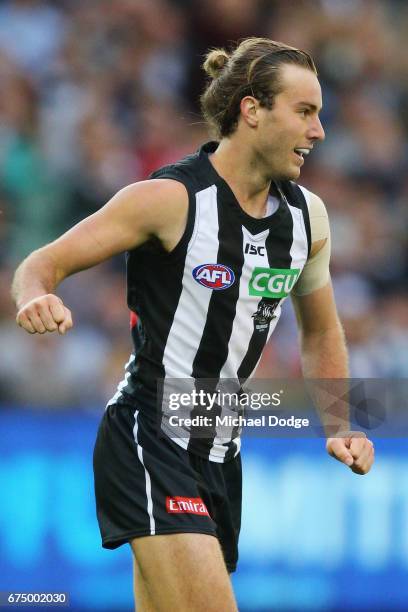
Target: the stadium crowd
pixel 97 94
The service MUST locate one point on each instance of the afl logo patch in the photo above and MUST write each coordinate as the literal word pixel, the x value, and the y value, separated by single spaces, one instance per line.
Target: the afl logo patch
pixel 214 276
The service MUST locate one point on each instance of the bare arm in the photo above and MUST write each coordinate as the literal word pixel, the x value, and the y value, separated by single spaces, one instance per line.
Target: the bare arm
pixel 323 349
pixel 324 356
pixel 130 218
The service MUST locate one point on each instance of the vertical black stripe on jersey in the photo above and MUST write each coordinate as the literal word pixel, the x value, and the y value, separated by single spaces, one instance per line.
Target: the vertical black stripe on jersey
pixel 278 244
pixel 145 293
pixel 220 318
pixel 296 198
pixel 222 305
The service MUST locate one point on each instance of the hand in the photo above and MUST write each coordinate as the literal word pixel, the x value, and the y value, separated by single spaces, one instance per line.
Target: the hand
pixel 44 313
pixel 354 449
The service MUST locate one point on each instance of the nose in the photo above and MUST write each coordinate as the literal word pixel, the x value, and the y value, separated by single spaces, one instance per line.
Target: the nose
pixel 316 131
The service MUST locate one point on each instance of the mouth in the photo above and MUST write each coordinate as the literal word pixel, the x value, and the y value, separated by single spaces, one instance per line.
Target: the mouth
pixel 301 152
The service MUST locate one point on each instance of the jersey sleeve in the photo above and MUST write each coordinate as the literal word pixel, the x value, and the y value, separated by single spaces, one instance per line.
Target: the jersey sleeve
pixel 316 272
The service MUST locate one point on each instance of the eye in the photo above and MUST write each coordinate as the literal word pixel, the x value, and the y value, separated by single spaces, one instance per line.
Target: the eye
pixel 303 112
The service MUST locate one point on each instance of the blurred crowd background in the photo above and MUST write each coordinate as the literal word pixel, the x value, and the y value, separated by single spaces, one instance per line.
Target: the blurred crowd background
pixel 96 94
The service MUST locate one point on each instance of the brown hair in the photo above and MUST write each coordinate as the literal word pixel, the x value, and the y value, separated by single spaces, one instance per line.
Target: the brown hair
pixel 251 69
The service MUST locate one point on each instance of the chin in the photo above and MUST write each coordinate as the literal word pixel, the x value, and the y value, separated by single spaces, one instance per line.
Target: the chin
pixel 289 175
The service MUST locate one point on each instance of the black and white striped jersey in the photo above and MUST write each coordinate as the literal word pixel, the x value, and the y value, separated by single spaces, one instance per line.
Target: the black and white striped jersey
pixel 207 309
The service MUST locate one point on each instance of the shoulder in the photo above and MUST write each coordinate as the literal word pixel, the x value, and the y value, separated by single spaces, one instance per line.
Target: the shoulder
pixel 316 273
pixel 319 219
pixel 314 203
pixel 154 196
pixel 154 189
pixel 147 208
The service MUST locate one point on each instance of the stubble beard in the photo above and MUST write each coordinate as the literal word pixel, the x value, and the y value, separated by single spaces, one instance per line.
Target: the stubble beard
pixel 282 174
pixel 277 170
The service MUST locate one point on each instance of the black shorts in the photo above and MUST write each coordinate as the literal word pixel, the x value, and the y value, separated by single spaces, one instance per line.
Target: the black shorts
pixel 148 485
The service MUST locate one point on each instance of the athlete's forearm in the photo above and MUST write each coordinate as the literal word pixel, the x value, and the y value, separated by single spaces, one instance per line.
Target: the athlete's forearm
pixel 37 275
pixel 324 354
pixel 324 357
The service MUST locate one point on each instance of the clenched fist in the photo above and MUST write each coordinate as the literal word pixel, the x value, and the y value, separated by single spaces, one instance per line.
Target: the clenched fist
pixel 353 449
pixel 44 313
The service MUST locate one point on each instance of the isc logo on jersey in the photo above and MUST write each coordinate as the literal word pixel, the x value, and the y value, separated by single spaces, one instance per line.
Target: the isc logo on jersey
pixel 272 282
pixel 214 276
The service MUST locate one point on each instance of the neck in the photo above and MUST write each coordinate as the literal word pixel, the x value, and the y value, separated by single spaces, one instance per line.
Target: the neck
pixel 237 165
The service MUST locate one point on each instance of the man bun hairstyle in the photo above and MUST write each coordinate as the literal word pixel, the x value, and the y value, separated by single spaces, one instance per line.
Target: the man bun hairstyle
pixel 251 69
pixel 215 62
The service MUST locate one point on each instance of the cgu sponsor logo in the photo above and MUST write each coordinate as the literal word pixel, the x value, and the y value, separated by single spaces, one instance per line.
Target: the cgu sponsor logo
pixel 214 276
pixel 272 282
pixel 186 505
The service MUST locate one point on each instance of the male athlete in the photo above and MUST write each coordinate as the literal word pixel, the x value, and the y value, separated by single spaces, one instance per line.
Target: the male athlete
pixel 206 239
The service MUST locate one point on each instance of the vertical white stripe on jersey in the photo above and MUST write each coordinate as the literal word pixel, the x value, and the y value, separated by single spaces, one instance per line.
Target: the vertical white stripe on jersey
pixel 307 194
pixel 298 251
pixel 147 477
pixel 191 314
pixel 243 323
pixel 122 383
pixel 243 326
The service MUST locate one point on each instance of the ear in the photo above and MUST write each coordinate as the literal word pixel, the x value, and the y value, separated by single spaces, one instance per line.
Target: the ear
pixel 249 111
